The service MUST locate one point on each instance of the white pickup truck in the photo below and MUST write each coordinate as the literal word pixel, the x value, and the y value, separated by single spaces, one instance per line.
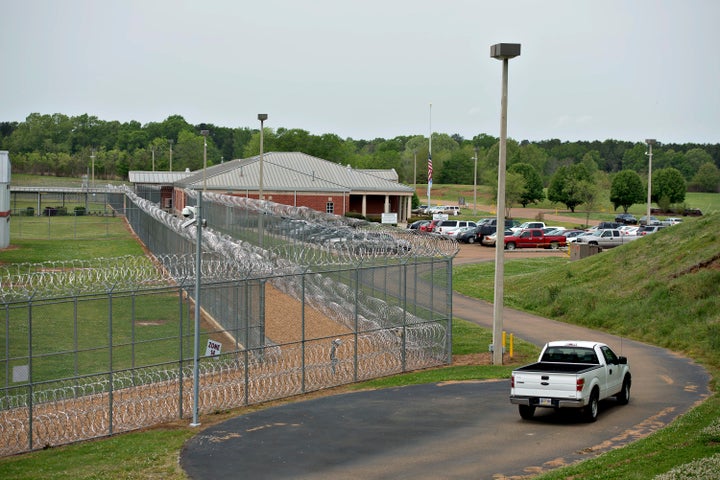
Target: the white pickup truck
pixel 574 374
pixel 607 238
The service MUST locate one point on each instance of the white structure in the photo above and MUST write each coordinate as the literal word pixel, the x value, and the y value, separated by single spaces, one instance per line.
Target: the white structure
pixel 4 199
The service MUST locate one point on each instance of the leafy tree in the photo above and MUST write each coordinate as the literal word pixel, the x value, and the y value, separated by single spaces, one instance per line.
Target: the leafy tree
pixel 588 193
pixel 484 141
pixel 693 160
pixel 707 178
pixel 533 190
pixel 566 187
pixel 635 158
pixel 515 189
pixel 532 155
pixel 626 190
pixel 668 183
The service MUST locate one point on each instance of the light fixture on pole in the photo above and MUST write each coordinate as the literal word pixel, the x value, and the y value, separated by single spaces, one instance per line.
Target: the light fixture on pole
pixel 262 117
pixel 504 52
pixel 475 183
pixel 650 142
pixel 92 181
pixel 204 133
pixel 171 143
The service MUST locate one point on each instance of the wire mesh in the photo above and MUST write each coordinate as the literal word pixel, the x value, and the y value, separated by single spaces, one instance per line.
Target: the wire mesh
pixel 299 301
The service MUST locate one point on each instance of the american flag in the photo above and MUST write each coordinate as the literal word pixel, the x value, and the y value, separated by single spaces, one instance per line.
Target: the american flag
pixel 429 169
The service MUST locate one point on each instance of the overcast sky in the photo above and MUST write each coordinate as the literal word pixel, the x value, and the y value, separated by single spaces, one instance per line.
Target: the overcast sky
pixel 589 70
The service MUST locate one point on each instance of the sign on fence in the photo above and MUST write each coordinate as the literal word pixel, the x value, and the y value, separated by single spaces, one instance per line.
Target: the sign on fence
pixel 213 348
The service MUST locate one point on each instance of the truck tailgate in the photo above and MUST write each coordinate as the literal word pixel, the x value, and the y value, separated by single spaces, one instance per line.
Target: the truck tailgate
pixel 550 385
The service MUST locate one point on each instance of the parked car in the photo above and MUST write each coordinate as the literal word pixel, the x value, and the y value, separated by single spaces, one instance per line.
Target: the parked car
pixel 452 210
pixel 673 220
pixel 526 225
pixel 629 229
pixel 606 225
pixel 450 227
pixel 469 236
pixel 648 229
pixel 534 238
pixel 446 209
pixel 570 234
pixel 626 218
pixel 489 226
pixel 643 220
pixel 491 240
pixel 429 227
pixel 576 238
pixel 607 238
pixel 419 210
pixel 417 224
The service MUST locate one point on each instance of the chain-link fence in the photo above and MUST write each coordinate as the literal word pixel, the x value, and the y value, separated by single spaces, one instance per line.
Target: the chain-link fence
pixel 292 301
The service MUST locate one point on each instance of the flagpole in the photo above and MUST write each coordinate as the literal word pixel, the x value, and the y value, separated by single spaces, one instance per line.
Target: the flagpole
pixel 430 168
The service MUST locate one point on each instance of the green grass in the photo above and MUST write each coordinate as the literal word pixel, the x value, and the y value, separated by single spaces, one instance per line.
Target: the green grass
pixel 36 239
pixel 707 202
pixel 664 290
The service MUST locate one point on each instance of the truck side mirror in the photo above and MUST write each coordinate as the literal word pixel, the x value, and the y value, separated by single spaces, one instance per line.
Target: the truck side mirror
pixel 622 360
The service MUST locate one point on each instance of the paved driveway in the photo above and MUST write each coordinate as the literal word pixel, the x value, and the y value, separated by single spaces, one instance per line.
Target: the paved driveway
pixel 450 430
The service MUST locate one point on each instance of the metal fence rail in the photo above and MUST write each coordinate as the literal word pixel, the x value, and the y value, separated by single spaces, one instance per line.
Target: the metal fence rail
pixel 96 347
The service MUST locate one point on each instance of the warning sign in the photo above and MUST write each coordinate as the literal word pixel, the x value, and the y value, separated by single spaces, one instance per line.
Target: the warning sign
pixel 213 348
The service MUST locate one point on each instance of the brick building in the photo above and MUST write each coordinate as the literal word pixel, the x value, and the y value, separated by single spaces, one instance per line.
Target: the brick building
pixel 296 179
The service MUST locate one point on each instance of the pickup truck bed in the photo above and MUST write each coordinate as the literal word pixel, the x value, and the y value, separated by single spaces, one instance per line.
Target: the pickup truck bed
pixel 571 374
pixel 551 367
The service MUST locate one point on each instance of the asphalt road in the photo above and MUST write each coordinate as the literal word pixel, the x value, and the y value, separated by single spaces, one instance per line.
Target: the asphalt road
pixel 457 430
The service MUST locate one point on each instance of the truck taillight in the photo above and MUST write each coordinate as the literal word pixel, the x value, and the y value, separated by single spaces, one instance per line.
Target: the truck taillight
pixel 579 384
pixel 512 381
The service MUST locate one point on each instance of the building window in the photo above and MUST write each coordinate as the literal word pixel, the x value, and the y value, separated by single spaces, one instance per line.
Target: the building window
pixel 329 207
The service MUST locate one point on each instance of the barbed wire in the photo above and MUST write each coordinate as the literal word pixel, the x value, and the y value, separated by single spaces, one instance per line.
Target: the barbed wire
pixel 312 239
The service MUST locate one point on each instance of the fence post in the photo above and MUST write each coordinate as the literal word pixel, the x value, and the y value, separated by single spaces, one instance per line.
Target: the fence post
pixel 110 361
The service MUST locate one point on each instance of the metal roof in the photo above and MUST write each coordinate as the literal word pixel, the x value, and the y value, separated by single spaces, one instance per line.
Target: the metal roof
pixel 162 178
pixel 291 171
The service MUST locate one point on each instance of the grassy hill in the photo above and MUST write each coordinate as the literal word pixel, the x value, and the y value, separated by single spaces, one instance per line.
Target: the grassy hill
pixel 663 289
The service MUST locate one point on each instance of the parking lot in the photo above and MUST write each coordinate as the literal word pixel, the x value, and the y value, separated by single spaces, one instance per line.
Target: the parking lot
pixel 477 253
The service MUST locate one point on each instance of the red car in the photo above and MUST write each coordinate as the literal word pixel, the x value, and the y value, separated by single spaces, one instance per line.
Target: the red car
pixel 429 227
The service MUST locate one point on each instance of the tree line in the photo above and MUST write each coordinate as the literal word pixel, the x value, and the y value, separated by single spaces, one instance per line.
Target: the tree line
pixel 59 145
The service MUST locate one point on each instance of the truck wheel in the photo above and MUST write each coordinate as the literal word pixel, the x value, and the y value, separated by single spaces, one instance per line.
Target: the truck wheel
pixel 471 240
pixel 623 397
pixel 510 246
pixel 554 245
pixel 590 412
pixel 526 411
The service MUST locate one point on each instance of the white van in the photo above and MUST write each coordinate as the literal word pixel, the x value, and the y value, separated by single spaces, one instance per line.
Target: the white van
pixel 451 227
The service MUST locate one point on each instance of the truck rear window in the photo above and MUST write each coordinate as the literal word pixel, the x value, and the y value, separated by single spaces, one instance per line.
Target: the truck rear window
pixel 567 354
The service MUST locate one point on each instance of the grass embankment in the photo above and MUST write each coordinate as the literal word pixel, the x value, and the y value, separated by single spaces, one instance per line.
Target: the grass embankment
pixel 663 290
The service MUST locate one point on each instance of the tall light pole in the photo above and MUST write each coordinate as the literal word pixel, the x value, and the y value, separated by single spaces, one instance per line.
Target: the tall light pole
pixel 475 183
pixel 415 169
pixel 152 149
pixel 204 133
pixel 504 52
pixel 650 142
pixel 171 143
pixel 262 117
pixel 92 181
pixel 196 333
